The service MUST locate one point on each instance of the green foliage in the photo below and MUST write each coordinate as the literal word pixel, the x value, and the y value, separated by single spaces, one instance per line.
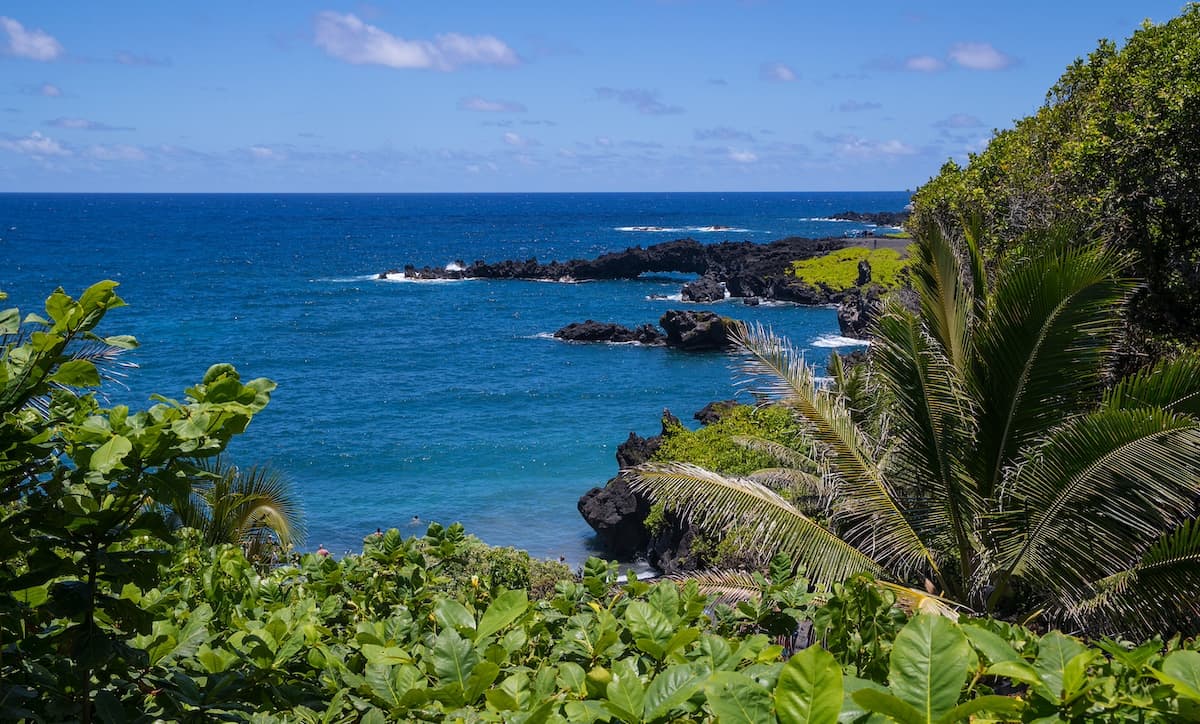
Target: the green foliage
pixel 991 464
pixel 81 536
pixel 716 447
pixel 1111 149
pixel 838 270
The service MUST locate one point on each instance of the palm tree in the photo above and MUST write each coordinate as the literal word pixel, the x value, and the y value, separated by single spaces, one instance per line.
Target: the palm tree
pixel 255 507
pixel 995 463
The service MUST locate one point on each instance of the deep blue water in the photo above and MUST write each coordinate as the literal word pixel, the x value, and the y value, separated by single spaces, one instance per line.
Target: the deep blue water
pixel 441 400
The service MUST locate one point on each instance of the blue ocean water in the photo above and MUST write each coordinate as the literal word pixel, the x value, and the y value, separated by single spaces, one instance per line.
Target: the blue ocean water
pixel 443 400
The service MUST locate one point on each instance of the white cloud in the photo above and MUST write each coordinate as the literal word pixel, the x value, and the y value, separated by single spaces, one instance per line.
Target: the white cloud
pixel 117 152
pixel 264 153
pixel 645 101
pixel 979 56
pixel 515 139
pixel 742 156
pixel 49 90
pixel 778 72
pixel 36 145
pixel 924 64
pixel 348 38
pixel 722 133
pixel 856 147
pixel 31 44
pixel 483 105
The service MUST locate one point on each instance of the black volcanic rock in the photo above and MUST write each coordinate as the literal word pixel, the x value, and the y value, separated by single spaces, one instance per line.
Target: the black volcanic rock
pixel 704 289
pixel 879 218
pixel 714 411
pixel 697 331
pixel 592 331
pixel 857 310
pixel 618 515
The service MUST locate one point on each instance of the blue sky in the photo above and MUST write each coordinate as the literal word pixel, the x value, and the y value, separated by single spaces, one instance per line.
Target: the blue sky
pixel 523 96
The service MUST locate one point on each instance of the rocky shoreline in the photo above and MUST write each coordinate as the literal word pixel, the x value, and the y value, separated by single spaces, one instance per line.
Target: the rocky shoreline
pixel 688 330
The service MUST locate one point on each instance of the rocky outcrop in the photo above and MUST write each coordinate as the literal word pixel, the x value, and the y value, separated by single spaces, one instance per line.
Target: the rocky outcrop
pixel 703 290
pixel 857 310
pixel 879 218
pixel 698 331
pixel 714 411
pixel 592 331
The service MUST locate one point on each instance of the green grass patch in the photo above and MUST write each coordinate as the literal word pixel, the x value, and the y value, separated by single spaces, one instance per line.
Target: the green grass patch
pixel 839 269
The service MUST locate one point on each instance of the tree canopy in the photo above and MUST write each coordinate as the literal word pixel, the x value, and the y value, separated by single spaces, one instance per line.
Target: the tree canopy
pixel 1114 147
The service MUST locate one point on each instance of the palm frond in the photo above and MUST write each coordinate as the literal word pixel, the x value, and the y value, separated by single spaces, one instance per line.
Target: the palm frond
pixel 947 304
pixel 1156 595
pixel 727 587
pixel 781 371
pixel 714 502
pixel 1172 385
pixel 1101 488
pixel 783 478
pixel 777 451
pixel 1040 350
pixel 932 423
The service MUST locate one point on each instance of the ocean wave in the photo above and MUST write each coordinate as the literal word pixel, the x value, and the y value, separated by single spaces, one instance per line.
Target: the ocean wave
pixel 650 229
pixel 834 340
pixel 680 229
pixel 346 280
pixel 677 297
pixel 399 277
pixel 551 337
pixel 714 229
pixel 826 218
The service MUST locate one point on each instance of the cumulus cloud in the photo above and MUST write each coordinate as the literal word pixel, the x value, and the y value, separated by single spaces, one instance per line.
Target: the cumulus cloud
pixel 515 139
pixel 924 64
pixel 853 106
pixel 36 145
pixel 959 120
pixel 483 105
pixel 644 101
pixel 722 133
pixel 83 124
pixel 742 156
pixel 31 44
pixel 49 90
pixel 979 56
pixel 780 72
pixel 348 38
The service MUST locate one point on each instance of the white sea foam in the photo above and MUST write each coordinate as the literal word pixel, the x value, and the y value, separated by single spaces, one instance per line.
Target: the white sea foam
pixel 650 229
pixel 718 229
pixel 454 266
pixel 665 298
pixel 826 218
pixel 401 278
pixel 347 280
pixel 834 340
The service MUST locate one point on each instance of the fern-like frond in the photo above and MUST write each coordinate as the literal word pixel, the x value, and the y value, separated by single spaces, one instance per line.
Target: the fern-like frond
pixel 1172 385
pixel 1039 352
pixel 1157 595
pixel 1101 489
pixel 780 371
pixel 771 524
pixel 729 587
pixel 946 300
pixel 782 454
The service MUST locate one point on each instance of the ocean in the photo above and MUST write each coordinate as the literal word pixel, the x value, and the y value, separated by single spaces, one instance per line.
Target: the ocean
pixel 449 401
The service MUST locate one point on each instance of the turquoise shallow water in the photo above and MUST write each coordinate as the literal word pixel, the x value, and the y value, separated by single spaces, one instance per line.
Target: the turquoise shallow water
pixel 448 401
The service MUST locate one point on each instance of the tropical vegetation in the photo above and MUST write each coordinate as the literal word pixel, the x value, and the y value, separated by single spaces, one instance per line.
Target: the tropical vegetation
pixel 1111 149
pixel 992 462
pixel 838 269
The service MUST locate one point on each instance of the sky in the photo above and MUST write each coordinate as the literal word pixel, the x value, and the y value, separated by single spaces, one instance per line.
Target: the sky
pixel 624 95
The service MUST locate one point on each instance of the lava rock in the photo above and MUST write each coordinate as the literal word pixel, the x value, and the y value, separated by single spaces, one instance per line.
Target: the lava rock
pixel 592 331
pixel 714 411
pixel 695 331
pixel 704 289
pixel 618 516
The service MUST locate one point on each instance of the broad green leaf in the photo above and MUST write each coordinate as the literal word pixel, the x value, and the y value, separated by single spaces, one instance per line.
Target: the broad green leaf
pixel 109 455
pixel 508 607
pixel 884 703
pixel 1055 651
pixel 452 614
pixel 993 646
pixel 809 690
pixel 10 320
pixel 671 688
pixel 929 664
pixel 737 699
pixel 1017 671
pixel 852 711
pixel 586 712
pixel 647 622
pixel 391 684
pixel 572 677
pixel 76 373
pixel 483 675
pixel 1004 706
pixel 513 694
pixel 1075 678
pixel 626 694
pixel 453 658
pixel 1181 669
pixel 121 341
pixel 376 654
